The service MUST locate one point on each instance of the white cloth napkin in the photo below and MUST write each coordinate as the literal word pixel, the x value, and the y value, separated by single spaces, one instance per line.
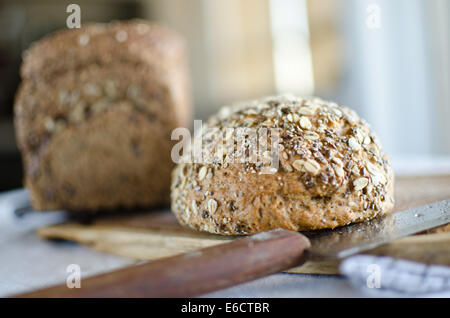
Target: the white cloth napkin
pixel 387 273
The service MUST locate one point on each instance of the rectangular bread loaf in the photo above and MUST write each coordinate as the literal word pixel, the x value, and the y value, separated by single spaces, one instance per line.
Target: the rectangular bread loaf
pixel 94 114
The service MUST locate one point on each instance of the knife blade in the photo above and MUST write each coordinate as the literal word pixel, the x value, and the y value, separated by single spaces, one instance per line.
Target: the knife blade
pixel 359 237
pixel 245 259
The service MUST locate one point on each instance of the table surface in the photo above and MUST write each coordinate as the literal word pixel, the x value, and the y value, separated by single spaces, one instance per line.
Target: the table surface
pixel 27 262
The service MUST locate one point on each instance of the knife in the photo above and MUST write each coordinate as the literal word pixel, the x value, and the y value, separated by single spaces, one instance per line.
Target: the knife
pixel 245 259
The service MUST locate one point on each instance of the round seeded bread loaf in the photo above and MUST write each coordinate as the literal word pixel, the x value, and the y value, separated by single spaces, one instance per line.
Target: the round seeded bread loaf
pixel 94 114
pixel 332 172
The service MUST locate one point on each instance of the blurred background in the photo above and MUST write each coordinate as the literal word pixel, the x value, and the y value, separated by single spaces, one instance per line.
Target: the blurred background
pixel 388 60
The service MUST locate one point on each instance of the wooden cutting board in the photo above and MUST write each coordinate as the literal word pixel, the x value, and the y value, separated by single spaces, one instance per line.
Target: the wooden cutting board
pixel 156 234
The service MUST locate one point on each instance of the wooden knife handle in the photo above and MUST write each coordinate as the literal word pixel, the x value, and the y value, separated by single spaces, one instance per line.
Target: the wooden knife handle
pixel 195 273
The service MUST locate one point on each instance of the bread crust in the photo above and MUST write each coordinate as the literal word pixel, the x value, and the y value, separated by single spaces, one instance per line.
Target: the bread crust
pixel 136 41
pixel 350 179
pixel 94 113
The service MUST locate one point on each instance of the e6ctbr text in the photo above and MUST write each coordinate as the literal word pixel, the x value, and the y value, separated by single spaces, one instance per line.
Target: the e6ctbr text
pixel 247 307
